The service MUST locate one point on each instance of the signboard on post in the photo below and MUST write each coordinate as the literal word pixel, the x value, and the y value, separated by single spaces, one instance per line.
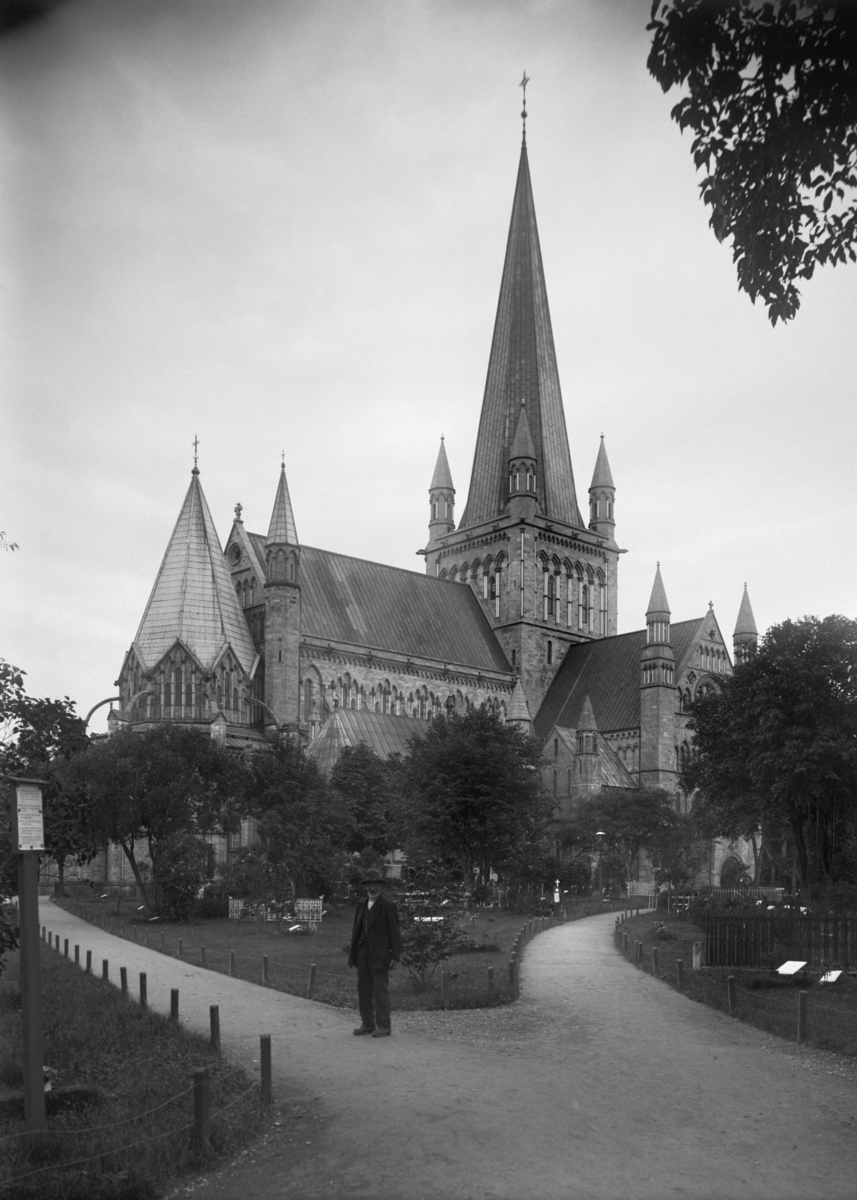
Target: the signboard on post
pixel 28 828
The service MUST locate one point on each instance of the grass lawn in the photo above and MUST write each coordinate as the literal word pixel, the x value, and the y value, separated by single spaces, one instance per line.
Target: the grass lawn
pixel 763 998
pixel 290 956
pixel 127 1145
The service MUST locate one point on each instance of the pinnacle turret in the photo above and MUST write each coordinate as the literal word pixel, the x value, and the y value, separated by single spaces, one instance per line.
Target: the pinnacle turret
pixel 441 501
pixel 658 603
pixel 745 639
pixel 282 531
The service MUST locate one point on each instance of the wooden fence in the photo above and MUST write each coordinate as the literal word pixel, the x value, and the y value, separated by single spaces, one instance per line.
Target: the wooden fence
pixel 767 942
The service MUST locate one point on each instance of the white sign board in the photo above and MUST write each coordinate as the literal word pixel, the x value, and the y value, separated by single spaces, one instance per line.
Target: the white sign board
pixel 31 829
pixel 791 967
pixel 830 977
pixel 308 911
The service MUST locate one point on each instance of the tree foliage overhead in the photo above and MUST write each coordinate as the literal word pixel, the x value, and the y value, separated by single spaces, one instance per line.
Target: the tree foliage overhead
pixel 772 102
pixel 777 747
pixel 473 793
pixel 366 786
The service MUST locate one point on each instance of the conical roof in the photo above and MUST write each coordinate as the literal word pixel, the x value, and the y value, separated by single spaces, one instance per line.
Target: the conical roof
pixel 522 447
pixel 193 600
pixel 586 720
pixel 522 365
pixel 282 529
pixel 442 477
pixel 519 710
pixel 602 476
pixel 658 602
pixel 746 622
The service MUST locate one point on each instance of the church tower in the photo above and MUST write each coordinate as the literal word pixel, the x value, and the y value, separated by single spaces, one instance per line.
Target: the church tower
pixel 546 580
pixel 657 694
pixel 745 639
pixel 282 613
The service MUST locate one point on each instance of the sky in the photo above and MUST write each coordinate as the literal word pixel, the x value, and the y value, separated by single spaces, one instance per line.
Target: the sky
pixel 279 225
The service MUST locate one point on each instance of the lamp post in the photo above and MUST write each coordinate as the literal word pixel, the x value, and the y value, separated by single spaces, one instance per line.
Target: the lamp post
pixel 600 836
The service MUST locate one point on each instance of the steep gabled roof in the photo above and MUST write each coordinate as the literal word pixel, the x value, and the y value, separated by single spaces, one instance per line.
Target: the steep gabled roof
pixel 609 671
pixel 383 608
pixel 522 366
pixel 192 601
pixel 384 733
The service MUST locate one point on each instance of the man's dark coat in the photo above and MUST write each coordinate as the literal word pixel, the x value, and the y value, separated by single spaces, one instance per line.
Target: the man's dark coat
pixel 383 937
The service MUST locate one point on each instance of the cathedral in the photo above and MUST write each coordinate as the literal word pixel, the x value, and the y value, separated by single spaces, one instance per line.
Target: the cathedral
pixel 516 611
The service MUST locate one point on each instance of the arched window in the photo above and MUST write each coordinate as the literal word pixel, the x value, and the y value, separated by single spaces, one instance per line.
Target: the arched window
pixel 188 697
pixel 235 700
pixel 307 713
pixel 556 747
pixel 167 700
pixel 583 614
pixel 550 652
pixel 550 595
pixel 602 620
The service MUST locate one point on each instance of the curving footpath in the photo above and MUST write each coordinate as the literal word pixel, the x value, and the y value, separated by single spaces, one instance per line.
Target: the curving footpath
pixel 600 1082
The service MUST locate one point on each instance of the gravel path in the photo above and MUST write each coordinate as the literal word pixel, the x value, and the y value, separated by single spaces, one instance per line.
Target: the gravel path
pixel 600 1082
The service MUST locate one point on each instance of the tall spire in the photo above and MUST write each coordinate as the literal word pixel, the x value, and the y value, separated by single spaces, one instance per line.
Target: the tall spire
pixel 602 476
pixel 522 365
pixel 282 531
pixel 658 603
pixel 746 623
pixel 442 477
pixel 192 600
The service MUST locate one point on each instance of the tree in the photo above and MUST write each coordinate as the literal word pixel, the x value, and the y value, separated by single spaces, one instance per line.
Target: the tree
pixel 303 824
pixel 473 793
pixel 772 102
pixel 631 819
pixel 365 784
pixel 47 733
pixel 157 785
pixel 777 747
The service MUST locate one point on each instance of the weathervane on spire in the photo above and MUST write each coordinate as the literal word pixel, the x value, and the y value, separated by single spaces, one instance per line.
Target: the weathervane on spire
pixel 195 454
pixel 283 463
pixel 523 85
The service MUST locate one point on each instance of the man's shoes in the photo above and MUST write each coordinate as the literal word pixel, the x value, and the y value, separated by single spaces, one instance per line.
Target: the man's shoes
pixel 361 1030
pixel 381 1033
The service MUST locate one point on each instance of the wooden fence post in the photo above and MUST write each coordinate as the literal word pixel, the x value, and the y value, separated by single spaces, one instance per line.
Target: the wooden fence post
pixel 640 953
pixel 265 969
pixel 624 943
pixel 143 999
pixel 801 1017
pixel 265 1063
pixel 174 1004
pixel 123 980
pixel 201 1111
pixel 511 972
pixel 231 962
pixel 490 982
pixel 679 973
pixel 310 987
pixel 65 947
pixel 89 962
pixel 77 956
pixel 105 969
pixel 214 1020
pixel 656 966
pixel 731 997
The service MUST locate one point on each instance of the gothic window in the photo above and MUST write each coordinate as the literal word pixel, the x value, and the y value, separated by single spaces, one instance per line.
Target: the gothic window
pixel 569 602
pixel 550 597
pixel 584 606
pixel 167 700
pixel 434 510
pixel 494 595
pixel 188 697
pixel 556 747
pixel 568 781
pixel 235 700
pixel 602 594
pixel 514 656
pixel 219 697
pixel 554 782
pixel 550 652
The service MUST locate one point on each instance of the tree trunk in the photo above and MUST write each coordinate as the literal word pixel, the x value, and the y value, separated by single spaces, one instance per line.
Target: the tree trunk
pixel 60 861
pixel 128 850
pixel 757 861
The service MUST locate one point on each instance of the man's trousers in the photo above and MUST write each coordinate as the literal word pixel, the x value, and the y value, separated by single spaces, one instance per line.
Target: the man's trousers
pixel 373 992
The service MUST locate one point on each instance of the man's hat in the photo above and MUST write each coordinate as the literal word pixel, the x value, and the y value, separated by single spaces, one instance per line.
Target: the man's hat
pixel 373 876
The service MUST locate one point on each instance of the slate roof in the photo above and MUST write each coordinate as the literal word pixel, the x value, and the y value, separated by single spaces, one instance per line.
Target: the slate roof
pixel 522 366
pixel 383 608
pixel 608 671
pixel 192 600
pixel 385 733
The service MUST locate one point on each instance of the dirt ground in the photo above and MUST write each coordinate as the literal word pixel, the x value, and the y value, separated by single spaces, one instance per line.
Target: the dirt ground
pixel 599 1082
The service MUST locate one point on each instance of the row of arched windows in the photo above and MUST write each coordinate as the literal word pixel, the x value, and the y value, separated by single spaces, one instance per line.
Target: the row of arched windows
pixel 658 674
pixel 585 591
pixel 245 590
pixel 486 577
pixel 318 698
pixel 713 658
pixel 178 692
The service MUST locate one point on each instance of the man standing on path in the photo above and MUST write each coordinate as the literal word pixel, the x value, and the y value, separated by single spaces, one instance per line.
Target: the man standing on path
pixel 376 944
